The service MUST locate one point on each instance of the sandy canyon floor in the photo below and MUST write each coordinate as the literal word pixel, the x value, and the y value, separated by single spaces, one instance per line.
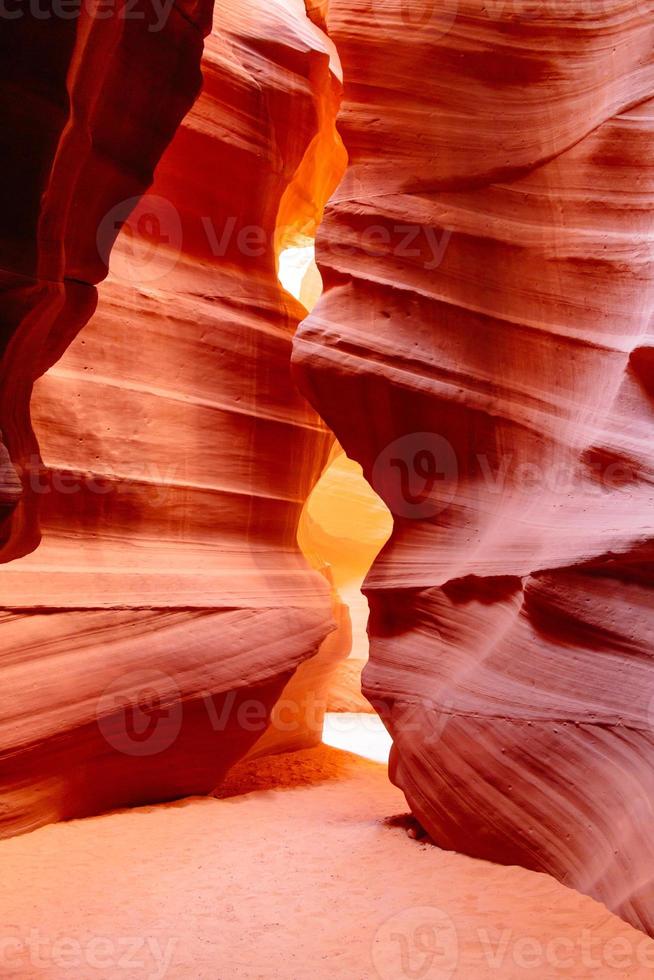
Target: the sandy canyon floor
pixel 303 869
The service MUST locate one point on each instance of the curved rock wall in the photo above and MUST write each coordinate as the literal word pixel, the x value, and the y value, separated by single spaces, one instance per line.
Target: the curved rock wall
pixel 88 106
pixel 484 350
pixel 147 637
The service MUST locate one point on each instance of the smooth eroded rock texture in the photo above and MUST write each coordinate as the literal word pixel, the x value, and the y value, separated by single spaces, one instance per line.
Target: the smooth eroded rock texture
pixel 484 350
pixel 146 639
pixel 88 106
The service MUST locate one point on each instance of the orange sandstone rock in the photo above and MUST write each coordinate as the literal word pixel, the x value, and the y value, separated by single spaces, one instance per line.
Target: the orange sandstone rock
pixel 484 350
pixel 155 599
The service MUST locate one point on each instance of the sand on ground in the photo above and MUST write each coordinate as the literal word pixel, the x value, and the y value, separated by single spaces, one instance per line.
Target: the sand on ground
pixel 303 870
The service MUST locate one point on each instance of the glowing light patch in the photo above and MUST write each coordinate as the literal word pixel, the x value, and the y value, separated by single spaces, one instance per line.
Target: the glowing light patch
pixel 361 734
pixel 294 263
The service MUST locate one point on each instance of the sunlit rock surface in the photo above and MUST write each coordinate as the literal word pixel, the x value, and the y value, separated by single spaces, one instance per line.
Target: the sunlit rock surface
pixel 484 350
pixel 344 525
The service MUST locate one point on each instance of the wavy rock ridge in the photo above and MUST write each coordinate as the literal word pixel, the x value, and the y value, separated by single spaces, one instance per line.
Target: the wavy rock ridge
pixel 484 350
pixel 166 607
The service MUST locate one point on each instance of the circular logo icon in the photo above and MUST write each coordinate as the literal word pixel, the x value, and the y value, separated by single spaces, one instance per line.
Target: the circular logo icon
pixel 417 475
pixel 435 17
pixel 151 239
pixel 418 943
pixel 140 713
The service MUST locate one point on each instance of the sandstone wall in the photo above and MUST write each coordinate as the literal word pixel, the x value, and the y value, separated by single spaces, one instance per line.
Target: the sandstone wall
pixel 155 602
pixel 484 349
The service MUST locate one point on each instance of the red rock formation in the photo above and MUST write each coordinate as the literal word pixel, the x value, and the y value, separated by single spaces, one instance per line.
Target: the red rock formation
pixel 484 349
pixel 147 637
pixel 88 106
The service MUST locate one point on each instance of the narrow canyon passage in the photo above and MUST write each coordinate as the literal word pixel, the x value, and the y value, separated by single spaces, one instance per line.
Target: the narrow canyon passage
pixel 326 475
pixel 344 525
pixel 302 866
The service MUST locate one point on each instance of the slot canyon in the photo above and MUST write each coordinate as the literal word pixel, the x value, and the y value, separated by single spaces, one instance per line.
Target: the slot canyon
pixel 326 489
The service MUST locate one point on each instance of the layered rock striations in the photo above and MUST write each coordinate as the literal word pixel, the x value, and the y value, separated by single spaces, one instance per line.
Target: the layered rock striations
pixel 155 602
pixel 88 106
pixel 484 350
